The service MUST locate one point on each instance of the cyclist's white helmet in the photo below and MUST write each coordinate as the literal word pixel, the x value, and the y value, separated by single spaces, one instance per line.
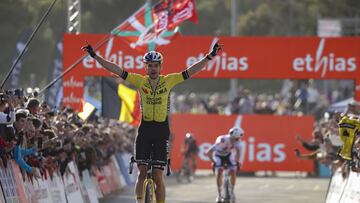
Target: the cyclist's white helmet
pixel 236 132
pixel 153 56
pixel 188 135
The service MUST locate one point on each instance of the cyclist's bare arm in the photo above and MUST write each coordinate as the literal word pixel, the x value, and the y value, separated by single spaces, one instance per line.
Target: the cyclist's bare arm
pixel 196 67
pixel 106 64
pixel 209 153
pixel 109 65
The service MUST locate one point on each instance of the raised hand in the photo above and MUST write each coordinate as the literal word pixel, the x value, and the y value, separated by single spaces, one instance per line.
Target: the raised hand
pixel 89 49
pixel 216 48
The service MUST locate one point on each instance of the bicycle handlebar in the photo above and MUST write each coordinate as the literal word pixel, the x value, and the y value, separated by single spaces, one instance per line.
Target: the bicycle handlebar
pixel 225 166
pixel 132 161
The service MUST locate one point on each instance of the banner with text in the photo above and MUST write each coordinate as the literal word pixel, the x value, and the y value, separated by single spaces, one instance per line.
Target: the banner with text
pixel 242 57
pixel 268 143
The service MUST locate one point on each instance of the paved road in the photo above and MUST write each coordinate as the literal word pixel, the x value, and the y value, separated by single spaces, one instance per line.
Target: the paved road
pixel 249 189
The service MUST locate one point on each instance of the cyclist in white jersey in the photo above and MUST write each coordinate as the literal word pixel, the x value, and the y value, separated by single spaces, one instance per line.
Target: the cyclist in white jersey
pixel 226 150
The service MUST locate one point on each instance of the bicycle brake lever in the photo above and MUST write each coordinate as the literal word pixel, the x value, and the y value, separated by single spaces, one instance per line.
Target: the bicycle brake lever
pixel 132 160
pixel 168 169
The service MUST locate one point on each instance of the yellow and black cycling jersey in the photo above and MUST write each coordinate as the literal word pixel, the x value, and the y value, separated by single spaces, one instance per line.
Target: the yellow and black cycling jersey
pixel 349 126
pixel 155 104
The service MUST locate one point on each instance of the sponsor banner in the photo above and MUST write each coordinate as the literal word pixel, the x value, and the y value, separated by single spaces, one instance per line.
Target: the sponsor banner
pixel 123 160
pixel 57 191
pixel 42 191
pixel 29 190
pixel 242 57
pixel 336 187
pixel 20 188
pixel 114 178
pixel 9 184
pixel 103 184
pixel 71 184
pixel 73 91
pixel 20 46
pixel 97 187
pixel 351 192
pixel 90 188
pixel 268 144
pixel 117 169
pixel 53 93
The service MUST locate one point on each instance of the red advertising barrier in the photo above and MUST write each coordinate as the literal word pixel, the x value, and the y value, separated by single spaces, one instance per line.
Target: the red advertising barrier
pixel 268 144
pixel 242 57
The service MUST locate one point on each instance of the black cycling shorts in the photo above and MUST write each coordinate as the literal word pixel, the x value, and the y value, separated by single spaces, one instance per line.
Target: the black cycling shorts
pixel 152 139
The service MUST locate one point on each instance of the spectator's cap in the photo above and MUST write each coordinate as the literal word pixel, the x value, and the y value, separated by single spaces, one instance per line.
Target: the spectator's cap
pixel 23 113
pixel 33 102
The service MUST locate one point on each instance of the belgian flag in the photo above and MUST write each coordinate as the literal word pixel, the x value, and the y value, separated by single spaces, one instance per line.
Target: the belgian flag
pixel 120 102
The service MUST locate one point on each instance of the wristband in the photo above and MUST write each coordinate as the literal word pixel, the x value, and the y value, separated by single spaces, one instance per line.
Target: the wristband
pixel 92 53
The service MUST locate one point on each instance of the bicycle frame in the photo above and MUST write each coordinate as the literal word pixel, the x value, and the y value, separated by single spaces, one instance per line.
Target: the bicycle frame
pixel 226 182
pixel 148 192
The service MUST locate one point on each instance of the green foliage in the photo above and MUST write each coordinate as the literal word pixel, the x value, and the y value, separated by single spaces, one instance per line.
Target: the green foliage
pixel 255 18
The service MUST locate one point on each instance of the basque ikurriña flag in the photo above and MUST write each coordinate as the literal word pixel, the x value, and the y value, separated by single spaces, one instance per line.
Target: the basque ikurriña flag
pixel 139 30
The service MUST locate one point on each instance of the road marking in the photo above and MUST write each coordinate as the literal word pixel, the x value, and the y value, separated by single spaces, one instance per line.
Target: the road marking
pixel 316 187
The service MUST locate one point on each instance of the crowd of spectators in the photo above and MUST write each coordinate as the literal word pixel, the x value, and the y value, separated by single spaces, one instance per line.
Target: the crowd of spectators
pixel 296 98
pixel 39 138
pixel 327 144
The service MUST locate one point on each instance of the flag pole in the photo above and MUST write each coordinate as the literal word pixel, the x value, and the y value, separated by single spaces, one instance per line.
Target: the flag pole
pixel 102 42
pixel 97 46
pixel 27 44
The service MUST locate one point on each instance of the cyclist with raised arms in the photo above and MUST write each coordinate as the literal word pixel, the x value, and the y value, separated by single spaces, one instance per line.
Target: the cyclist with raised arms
pixel 226 150
pixel 154 89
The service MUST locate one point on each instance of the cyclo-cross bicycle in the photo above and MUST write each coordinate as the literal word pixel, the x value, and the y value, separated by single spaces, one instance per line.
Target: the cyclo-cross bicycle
pixel 148 192
pixel 226 182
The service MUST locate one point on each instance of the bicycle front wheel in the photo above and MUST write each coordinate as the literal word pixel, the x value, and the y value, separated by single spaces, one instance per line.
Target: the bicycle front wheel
pixel 149 191
pixel 227 190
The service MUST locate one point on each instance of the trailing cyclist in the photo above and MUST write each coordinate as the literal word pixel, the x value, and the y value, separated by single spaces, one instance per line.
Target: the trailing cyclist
pixel 189 150
pixel 226 151
pixel 154 89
